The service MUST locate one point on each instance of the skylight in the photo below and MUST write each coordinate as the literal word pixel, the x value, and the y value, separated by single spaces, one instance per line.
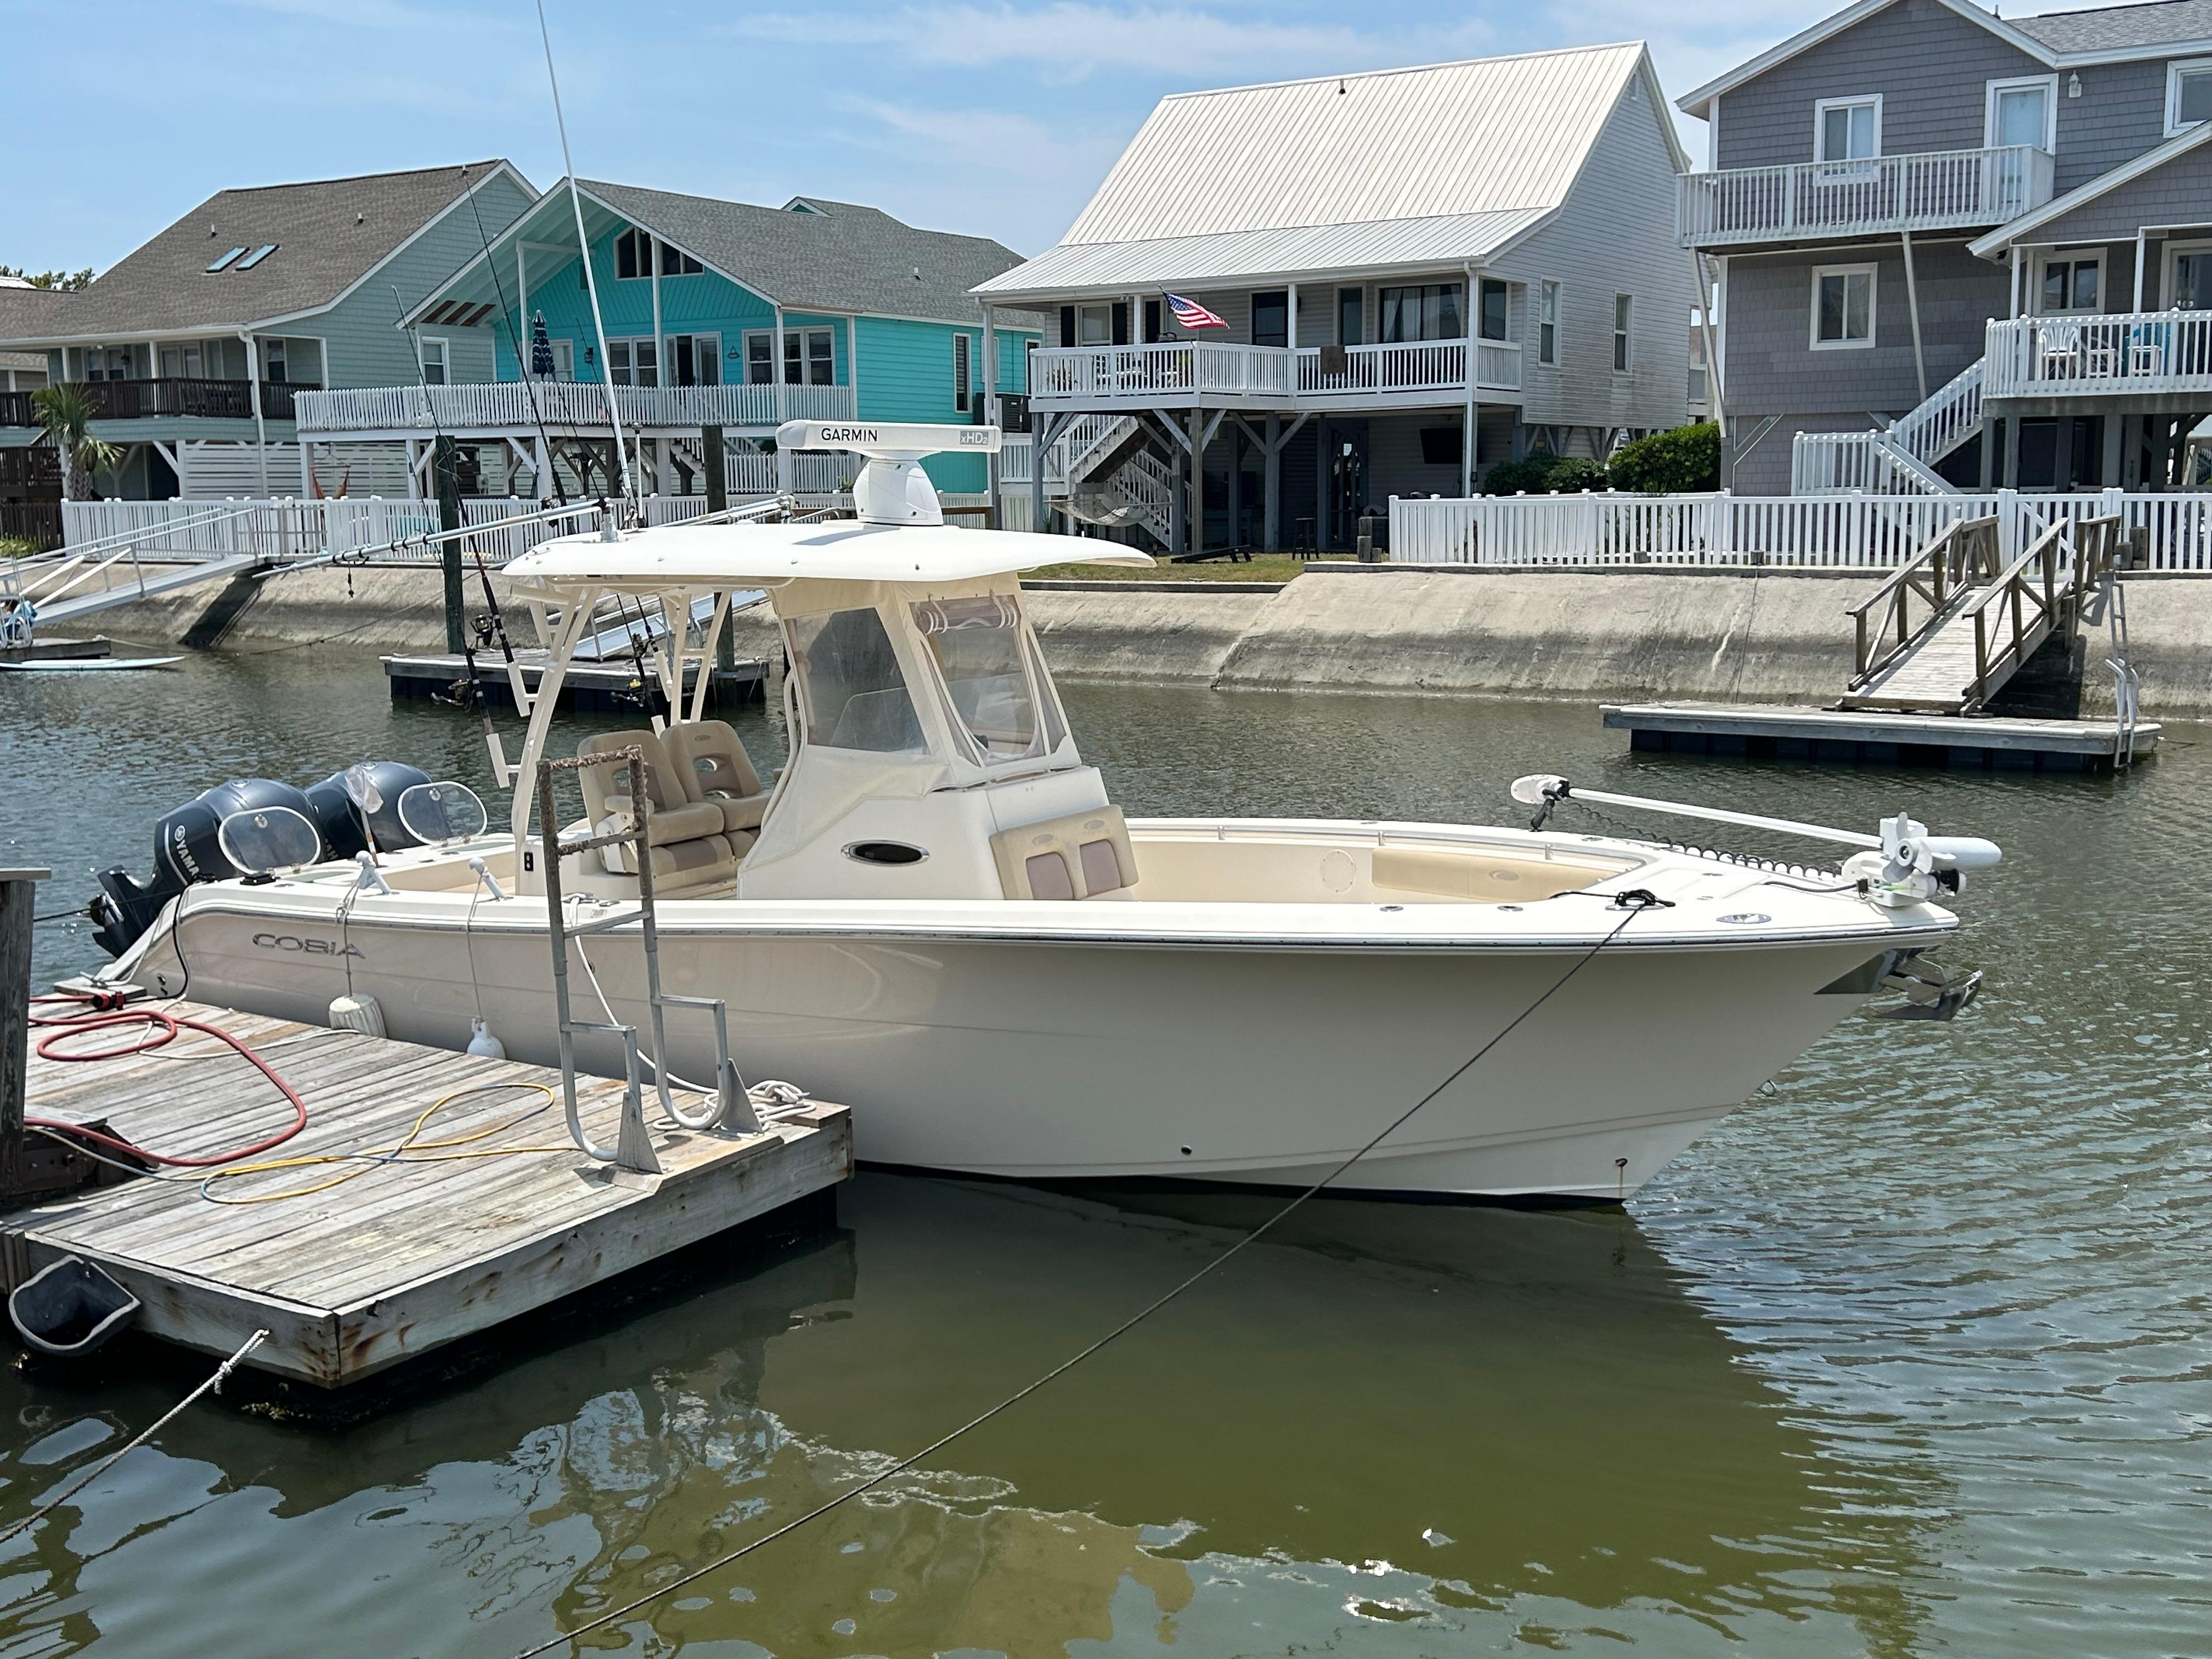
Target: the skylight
pixel 226 258
pixel 256 257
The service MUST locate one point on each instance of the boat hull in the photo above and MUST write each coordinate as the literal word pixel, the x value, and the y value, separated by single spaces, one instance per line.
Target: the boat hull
pixel 1052 1059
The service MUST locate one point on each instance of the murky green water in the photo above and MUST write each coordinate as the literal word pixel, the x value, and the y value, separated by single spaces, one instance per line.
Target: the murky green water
pixel 1911 1358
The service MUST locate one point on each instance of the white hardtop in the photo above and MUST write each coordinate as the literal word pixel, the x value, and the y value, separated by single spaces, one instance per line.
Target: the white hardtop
pixel 725 556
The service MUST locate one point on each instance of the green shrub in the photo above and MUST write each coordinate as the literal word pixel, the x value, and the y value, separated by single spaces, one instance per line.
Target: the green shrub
pixel 1544 475
pixel 1683 460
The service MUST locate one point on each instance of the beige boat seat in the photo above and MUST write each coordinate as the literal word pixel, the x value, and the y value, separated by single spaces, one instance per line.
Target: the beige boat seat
pixel 1084 855
pixel 689 847
pixel 715 763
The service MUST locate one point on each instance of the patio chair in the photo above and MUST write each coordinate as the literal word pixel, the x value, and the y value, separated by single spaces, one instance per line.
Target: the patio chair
pixel 2058 352
pixel 2147 344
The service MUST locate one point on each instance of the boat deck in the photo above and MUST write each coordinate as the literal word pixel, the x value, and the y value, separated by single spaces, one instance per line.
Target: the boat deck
pixel 398 1258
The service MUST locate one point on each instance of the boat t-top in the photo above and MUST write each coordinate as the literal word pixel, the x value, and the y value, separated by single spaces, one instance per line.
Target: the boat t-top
pixel 938 913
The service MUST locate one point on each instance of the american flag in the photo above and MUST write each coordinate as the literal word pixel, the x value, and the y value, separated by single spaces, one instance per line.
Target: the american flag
pixel 1188 314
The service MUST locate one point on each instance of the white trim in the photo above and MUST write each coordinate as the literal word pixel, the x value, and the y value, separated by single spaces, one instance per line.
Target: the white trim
pixel 1820 108
pixel 2174 71
pixel 2168 254
pixel 1991 243
pixel 2075 257
pixel 2047 84
pixel 445 358
pixel 1557 292
pixel 1693 103
pixel 1620 336
pixel 1813 327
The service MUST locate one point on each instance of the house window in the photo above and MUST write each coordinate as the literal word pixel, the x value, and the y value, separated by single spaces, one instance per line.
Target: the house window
pixel 564 359
pixel 633 255
pixel 2188 93
pixel 675 262
pixel 693 359
pixel 960 373
pixel 1493 310
pixel 1094 325
pixel 1547 325
pixel 1699 388
pixel 432 354
pixel 1847 129
pixel 2071 284
pixel 810 357
pixel 1842 306
pixel 1623 316
pixel 1351 316
pixel 1429 312
pixel 633 363
pixel 760 360
pixel 272 362
pixel 1271 319
pixel 2024 112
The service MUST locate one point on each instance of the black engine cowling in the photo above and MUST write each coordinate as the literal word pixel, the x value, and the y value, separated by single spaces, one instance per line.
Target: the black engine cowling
pixel 186 849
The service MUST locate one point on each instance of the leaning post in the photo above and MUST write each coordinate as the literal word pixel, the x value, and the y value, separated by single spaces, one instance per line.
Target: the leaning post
pixel 445 465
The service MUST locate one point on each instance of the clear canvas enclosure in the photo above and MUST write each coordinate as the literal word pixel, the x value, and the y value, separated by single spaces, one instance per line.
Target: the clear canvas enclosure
pixel 999 703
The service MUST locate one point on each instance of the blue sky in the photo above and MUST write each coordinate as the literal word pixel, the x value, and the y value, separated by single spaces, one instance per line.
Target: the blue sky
pixel 968 115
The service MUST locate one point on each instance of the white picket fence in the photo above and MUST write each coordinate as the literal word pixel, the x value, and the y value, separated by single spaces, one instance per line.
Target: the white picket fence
pixel 1807 531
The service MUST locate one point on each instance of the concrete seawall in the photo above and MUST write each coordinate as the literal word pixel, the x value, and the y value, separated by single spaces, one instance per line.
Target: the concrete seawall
pixel 1741 636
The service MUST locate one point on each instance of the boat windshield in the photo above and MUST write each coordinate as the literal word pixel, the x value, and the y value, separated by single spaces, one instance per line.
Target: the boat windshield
pixel 856 696
pixel 989 670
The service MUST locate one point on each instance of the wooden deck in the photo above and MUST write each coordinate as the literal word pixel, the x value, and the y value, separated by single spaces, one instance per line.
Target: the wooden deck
pixel 405 1256
pixel 1765 732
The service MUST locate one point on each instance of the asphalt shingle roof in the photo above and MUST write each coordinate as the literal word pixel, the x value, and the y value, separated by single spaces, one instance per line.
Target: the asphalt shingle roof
pixel 328 232
pixel 2164 22
pixel 846 258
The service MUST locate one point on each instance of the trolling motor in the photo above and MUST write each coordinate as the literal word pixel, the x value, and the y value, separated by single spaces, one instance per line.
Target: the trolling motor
pixel 1902 866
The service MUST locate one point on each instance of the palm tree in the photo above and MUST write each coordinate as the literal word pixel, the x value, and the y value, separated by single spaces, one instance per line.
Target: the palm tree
pixel 65 413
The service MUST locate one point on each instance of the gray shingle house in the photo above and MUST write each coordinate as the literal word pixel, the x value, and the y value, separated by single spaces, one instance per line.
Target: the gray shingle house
pixel 1956 249
pixel 195 345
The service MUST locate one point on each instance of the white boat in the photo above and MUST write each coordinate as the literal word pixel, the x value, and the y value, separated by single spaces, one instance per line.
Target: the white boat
pixel 939 913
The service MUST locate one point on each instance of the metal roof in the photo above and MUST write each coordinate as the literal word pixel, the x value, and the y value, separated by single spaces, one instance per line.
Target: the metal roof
pixel 1410 165
pixel 762 555
pixel 2164 24
pixel 1302 250
pixel 328 233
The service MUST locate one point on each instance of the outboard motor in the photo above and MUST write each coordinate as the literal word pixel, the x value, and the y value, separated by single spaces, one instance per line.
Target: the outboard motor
pixel 186 850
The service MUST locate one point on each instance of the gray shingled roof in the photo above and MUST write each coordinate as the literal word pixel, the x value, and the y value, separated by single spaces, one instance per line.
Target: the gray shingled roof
pixel 847 258
pixel 328 232
pixel 2122 29
pixel 29 312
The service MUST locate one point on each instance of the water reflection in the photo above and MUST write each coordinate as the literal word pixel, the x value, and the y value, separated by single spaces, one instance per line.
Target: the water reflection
pixel 1389 1423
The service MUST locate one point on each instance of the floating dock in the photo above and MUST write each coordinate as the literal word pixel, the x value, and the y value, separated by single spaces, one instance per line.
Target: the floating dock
pixel 591 686
pixel 1960 742
pixel 402 1258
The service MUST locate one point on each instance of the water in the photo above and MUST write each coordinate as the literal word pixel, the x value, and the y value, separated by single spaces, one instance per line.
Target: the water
pixel 1910 1358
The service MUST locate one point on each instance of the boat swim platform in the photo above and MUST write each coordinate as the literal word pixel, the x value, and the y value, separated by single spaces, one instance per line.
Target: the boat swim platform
pixel 404 1259
pixel 1959 742
pixel 588 686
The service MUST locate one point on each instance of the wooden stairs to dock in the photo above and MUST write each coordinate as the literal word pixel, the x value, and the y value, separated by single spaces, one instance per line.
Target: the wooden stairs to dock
pixel 1947 632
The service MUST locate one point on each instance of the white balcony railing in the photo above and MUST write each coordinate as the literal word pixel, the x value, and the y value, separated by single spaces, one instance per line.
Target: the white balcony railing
pixel 516 405
pixel 1943 189
pixel 2129 353
pixel 1184 372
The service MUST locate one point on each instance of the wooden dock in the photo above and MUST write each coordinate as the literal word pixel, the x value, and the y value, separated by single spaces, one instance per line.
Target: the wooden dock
pixel 590 686
pixel 403 1256
pixel 1963 742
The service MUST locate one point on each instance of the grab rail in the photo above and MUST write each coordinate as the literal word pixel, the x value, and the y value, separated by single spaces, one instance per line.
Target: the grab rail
pixel 1961 550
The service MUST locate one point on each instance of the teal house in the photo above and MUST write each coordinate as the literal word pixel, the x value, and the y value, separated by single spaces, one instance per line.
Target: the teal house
pixel 716 314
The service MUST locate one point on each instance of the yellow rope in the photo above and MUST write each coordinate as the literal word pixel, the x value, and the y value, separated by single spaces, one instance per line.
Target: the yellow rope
pixel 372 1158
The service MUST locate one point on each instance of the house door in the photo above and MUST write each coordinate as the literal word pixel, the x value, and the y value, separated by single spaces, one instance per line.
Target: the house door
pixel 2188 278
pixel 695 359
pixel 1347 480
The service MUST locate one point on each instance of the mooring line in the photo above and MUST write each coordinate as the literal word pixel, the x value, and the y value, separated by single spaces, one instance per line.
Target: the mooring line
pixel 213 1384
pixel 1643 901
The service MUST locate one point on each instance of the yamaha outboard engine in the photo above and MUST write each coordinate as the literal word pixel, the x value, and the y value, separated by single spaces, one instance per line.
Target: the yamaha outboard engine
pixel 186 850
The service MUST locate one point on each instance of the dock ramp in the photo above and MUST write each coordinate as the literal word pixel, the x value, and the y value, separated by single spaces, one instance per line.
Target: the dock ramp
pixel 71 583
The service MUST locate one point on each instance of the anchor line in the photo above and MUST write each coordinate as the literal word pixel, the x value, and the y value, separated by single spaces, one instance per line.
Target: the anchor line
pixel 1641 902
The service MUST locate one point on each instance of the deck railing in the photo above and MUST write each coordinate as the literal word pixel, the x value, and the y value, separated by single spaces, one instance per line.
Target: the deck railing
pixel 2126 354
pixel 520 405
pixel 135 400
pixel 1201 370
pixel 1939 190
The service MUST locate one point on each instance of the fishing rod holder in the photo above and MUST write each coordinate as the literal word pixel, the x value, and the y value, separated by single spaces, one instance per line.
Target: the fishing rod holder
pixel 732 1108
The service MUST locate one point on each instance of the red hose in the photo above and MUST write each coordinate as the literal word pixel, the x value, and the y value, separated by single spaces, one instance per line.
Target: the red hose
pixel 162 1029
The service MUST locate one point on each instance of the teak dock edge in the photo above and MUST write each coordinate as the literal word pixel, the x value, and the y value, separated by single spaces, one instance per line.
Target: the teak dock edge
pixel 402 1258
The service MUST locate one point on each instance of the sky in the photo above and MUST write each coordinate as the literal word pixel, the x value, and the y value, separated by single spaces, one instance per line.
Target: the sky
pixel 975 116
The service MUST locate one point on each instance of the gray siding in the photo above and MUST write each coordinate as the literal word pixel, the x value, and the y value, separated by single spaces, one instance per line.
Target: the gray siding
pixel 1929 63
pixel 2178 193
pixel 1770 366
pixel 1764 470
pixel 365 345
pixel 1614 233
pixel 2120 115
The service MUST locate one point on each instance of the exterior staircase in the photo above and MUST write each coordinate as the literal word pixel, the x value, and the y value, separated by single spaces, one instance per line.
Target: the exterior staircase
pixel 1901 459
pixel 1113 478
